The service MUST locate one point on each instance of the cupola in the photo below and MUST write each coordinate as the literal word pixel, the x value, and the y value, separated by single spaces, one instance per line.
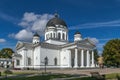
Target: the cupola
pixel 77 36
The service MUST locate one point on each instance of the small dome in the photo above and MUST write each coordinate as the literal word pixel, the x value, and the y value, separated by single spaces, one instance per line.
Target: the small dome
pixel 77 32
pixel 56 21
pixel 36 34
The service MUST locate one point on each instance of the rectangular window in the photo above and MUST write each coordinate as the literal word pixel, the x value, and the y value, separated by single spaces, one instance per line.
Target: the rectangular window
pixel 29 61
pixel 17 62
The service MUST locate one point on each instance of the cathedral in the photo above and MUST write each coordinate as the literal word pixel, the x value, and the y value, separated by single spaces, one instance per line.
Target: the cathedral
pixel 55 51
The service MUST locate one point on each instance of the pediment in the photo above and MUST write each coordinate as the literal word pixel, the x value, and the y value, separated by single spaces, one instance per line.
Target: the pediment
pixel 87 43
pixel 19 44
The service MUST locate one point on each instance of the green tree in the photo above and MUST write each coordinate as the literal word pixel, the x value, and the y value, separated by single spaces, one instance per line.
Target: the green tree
pixel 6 53
pixel 111 53
pixel 96 55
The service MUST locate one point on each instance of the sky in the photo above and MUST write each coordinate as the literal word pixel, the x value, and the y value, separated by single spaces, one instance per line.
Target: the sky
pixel 98 20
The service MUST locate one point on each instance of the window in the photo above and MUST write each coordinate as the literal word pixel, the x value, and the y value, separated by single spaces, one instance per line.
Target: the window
pixel 59 36
pixel 50 35
pixel 54 35
pixel 63 36
pixel 29 61
pixel 66 37
pixel 17 62
pixel 55 61
pixel 46 60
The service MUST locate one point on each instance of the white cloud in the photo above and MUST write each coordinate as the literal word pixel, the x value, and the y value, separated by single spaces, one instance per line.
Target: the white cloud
pixel 114 23
pixel 94 40
pixel 2 40
pixel 31 23
pixel 24 35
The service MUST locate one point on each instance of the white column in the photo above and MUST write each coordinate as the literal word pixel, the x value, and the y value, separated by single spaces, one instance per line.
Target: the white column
pixel 88 59
pixel 45 36
pixel 65 36
pixel 61 35
pixel 76 58
pixel 82 58
pixel 70 58
pixel 93 64
pixel 52 35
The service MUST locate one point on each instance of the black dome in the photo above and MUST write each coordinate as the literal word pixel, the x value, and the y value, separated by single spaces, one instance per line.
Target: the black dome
pixel 77 32
pixel 56 21
pixel 36 34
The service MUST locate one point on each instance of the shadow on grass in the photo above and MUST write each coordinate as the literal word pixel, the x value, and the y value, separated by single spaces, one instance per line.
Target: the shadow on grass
pixel 39 77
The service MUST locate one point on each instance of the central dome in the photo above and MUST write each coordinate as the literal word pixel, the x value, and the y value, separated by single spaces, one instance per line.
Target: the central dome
pixel 56 21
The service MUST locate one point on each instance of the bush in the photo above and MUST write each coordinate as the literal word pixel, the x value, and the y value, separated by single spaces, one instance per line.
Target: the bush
pixel 8 72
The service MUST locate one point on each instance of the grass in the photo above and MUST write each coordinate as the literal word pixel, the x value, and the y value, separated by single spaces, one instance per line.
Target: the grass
pixel 84 78
pixel 41 77
pixel 112 76
pixel 52 76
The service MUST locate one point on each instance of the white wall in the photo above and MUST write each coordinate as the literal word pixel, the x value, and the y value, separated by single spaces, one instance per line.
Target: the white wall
pixel 37 56
pixel 55 42
pixel 51 54
pixel 65 58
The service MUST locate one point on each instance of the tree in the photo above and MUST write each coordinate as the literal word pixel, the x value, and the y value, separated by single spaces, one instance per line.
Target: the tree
pixel 96 55
pixel 6 53
pixel 111 53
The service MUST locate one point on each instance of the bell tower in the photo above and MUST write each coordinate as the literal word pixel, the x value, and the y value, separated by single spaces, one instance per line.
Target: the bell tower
pixel 77 36
pixel 36 38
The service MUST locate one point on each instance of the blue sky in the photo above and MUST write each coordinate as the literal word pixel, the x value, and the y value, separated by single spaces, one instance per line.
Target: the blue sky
pixel 96 19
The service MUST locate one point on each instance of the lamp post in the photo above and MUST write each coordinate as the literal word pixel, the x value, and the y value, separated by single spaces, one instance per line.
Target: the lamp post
pixel 45 62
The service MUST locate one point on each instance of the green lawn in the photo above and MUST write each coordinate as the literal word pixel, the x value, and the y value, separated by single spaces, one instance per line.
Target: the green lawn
pixel 112 76
pixel 41 77
pixel 52 76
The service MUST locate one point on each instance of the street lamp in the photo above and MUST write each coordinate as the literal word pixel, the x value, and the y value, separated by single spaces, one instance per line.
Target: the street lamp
pixel 45 62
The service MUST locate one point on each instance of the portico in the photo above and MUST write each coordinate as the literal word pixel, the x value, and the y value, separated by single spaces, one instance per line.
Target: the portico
pixel 82 58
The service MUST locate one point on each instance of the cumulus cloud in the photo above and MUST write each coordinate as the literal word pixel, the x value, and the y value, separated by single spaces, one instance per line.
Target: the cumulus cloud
pixel 24 35
pixel 31 23
pixel 35 22
pixel 2 40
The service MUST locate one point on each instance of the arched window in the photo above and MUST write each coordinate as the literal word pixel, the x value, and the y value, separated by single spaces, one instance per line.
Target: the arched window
pixel 63 36
pixel 17 62
pixel 46 60
pixel 29 61
pixel 55 61
pixel 66 37
pixel 50 35
pixel 59 35
pixel 54 35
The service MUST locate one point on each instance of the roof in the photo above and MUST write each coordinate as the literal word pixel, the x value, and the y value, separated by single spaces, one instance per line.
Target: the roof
pixel 24 44
pixel 17 55
pixel 56 21
pixel 83 43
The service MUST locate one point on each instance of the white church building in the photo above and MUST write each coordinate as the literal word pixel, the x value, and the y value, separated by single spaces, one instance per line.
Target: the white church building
pixel 55 51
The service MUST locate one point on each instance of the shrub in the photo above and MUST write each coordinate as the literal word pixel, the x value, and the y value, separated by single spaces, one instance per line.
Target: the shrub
pixel 8 72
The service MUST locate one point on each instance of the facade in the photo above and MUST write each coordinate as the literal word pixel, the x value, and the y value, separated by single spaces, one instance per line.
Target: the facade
pixel 55 51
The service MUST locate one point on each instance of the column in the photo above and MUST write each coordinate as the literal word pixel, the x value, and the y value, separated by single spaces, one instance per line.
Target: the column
pixel 82 58
pixel 65 36
pixel 92 65
pixel 70 58
pixel 88 59
pixel 52 35
pixel 61 35
pixel 45 36
pixel 76 58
